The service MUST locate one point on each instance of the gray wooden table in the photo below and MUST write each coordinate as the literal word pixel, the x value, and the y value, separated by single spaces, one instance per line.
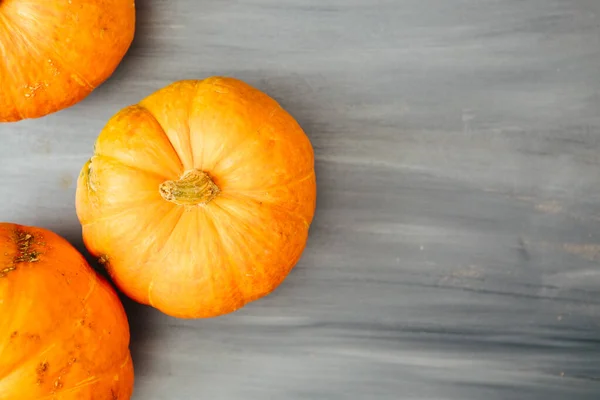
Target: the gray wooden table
pixel 456 247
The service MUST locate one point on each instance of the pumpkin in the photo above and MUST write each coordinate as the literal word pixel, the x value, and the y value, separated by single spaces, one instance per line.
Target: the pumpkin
pixel 54 53
pixel 199 199
pixel 63 331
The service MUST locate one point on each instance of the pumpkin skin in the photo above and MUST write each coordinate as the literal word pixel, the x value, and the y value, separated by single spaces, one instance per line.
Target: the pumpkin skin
pixel 63 332
pixel 54 53
pixel 199 199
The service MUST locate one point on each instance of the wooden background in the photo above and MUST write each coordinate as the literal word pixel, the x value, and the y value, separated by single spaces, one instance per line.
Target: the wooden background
pixel 456 247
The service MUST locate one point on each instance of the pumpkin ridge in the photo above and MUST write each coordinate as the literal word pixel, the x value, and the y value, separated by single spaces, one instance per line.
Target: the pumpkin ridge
pixel 179 211
pixel 179 154
pixel 107 217
pixel 242 143
pixel 242 243
pixel 220 240
pixel 245 225
pixel 127 165
pixel 162 131
pixel 250 228
pixel 255 196
pixel 148 258
pixel 201 86
pixel 130 115
pixel 118 215
pixel 269 188
pixel 158 270
pixel 211 275
pixel 198 86
pixel 275 206
pixel 232 218
pixel 86 177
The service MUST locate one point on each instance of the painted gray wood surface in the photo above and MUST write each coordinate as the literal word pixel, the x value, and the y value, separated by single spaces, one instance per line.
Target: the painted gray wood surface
pixel 456 248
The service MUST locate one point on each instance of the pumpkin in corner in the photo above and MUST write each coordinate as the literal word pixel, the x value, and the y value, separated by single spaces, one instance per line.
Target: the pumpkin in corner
pixel 198 200
pixel 63 332
pixel 53 54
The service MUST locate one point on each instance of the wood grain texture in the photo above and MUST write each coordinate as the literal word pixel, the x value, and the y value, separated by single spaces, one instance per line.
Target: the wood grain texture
pixel 455 254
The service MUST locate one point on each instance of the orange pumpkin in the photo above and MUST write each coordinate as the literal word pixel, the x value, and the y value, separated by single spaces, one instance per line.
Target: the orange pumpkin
pixel 54 53
pixel 199 199
pixel 63 332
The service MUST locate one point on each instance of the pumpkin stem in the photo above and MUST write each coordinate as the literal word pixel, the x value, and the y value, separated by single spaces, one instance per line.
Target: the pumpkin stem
pixel 195 187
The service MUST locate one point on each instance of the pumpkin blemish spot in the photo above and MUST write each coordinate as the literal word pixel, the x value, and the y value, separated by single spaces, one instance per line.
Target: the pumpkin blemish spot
pixel 5 271
pixel 41 371
pixel 24 252
pixel 33 337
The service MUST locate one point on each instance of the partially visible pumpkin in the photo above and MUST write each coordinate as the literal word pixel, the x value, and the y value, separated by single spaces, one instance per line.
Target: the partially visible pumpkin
pixel 63 332
pixel 54 53
pixel 199 199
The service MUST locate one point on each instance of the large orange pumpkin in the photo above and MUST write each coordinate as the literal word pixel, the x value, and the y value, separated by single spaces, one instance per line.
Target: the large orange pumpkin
pixel 63 332
pixel 53 53
pixel 199 199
